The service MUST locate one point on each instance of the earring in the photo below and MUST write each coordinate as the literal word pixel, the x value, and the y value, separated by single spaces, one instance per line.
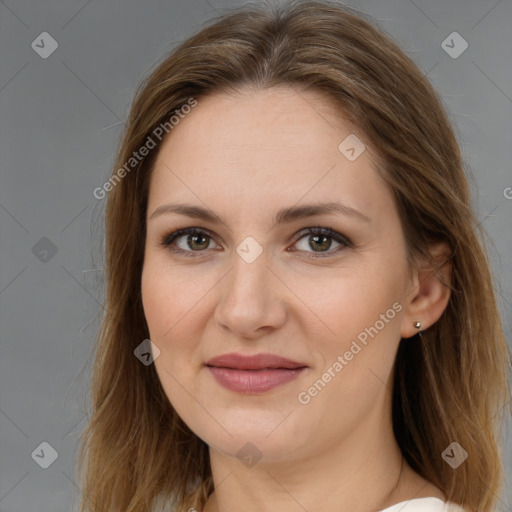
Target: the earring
pixel 417 325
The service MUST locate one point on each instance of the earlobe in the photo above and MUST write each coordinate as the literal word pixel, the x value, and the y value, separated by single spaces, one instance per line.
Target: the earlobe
pixel 429 294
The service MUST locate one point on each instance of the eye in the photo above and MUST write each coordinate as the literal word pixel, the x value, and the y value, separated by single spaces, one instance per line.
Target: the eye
pixel 321 239
pixel 191 241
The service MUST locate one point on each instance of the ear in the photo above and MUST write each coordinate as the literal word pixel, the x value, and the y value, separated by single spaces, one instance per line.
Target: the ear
pixel 429 292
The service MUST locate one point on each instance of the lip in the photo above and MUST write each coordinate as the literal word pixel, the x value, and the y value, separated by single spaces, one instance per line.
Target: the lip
pixel 253 374
pixel 253 381
pixel 255 362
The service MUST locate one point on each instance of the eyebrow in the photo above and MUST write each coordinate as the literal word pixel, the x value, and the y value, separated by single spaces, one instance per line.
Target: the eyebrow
pixel 283 216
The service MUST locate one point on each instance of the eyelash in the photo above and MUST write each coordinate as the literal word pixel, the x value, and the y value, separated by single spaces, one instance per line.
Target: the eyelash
pixel 168 239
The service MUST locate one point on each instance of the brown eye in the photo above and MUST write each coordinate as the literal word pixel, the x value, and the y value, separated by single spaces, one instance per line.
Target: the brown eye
pixel 187 241
pixel 319 240
pixel 198 241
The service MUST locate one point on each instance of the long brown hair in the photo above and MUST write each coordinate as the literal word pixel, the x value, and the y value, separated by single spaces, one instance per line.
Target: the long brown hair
pixel 449 386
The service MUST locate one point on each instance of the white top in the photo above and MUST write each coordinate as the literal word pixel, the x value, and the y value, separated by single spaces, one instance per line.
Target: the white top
pixel 424 505
pixel 415 505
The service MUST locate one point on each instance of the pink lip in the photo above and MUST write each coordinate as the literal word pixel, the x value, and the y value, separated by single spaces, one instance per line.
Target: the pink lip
pixel 254 362
pixel 253 381
pixel 253 374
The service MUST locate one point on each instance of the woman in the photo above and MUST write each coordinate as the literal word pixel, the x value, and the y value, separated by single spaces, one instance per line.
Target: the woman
pixel 300 313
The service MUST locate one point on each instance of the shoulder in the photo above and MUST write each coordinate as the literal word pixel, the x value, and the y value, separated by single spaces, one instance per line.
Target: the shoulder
pixel 424 505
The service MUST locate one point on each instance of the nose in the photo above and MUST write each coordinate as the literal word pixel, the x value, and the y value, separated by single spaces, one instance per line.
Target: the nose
pixel 251 299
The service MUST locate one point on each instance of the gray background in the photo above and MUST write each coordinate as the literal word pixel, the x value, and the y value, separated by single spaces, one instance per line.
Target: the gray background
pixel 61 119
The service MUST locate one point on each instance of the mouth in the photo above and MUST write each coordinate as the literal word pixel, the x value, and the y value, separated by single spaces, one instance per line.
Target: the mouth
pixel 253 374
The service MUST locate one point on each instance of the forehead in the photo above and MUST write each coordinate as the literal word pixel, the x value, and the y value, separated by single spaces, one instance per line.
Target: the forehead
pixel 257 147
pixel 264 120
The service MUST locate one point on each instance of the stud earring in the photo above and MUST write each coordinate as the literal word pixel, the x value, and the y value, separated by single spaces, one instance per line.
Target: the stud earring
pixel 417 325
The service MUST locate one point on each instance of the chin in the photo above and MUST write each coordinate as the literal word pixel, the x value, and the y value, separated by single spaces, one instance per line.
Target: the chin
pixel 248 435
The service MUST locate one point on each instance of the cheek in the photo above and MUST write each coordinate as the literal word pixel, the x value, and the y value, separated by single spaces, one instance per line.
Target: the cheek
pixel 354 363
pixel 176 308
pixel 169 299
pixel 345 304
pixel 156 302
pixel 179 365
pixel 171 328
pixel 358 317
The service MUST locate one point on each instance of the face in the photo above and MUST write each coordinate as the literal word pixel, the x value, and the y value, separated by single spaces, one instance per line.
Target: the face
pixel 322 289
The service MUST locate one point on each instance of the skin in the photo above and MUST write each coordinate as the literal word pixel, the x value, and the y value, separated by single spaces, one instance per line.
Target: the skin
pixel 245 156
